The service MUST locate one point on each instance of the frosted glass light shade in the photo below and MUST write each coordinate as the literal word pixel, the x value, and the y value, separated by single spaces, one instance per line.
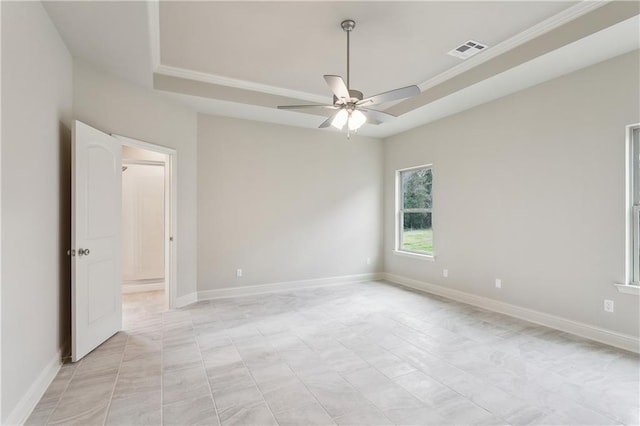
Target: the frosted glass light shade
pixel 341 119
pixel 356 120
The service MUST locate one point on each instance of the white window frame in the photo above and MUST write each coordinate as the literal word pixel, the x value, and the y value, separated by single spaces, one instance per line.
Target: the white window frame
pixel 400 216
pixel 635 212
pixel 631 284
pixel 633 143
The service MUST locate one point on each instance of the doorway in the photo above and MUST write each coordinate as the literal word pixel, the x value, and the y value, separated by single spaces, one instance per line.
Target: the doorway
pixel 96 234
pixel 148 224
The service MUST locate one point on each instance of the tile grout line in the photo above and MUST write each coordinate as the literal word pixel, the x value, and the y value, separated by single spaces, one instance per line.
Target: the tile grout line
pixel 298 377
pixel 253 378
pixel 311 392
pixel 402 331
pixel 386 350
pixel 341 374
pixel 536 405
pixel 419 369
pixel 439 358
pixel 115 382
pixel 204 368
pixel 343 378
pixel 63 392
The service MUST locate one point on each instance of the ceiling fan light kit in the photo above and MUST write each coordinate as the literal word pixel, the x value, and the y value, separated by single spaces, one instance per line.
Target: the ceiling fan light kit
pixel 350 103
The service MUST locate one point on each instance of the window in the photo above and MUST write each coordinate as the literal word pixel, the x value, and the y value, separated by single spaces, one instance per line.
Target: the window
pixel 634 147
pixel 415 203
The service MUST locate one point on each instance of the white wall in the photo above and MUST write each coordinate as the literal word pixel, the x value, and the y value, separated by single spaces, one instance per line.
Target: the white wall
pixel 36 119
pixel 115 106
pixel 530 189
pixel 142 223
pixel 284 203
pixel 133 153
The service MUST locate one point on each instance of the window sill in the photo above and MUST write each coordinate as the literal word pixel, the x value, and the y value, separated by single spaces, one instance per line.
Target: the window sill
pixel 428 257
pixel 628 289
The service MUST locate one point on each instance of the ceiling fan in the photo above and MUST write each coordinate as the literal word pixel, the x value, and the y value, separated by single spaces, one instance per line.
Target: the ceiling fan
pixel 351 107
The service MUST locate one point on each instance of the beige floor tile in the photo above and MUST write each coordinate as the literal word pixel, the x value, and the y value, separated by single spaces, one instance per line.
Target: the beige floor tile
pixel 40 415
pixel 308 414
pixel 137 409
pixel 361 354
pixel 364 415
pixel 196 411
pixel 230 401
pixel 249 415
pixel 184 385
pixel 294 395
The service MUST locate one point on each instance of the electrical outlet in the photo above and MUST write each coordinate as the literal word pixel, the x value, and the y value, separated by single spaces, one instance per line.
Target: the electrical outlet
pixel 368 261
pixel 498 283
pixel 238 273
pixel 608 305
pixel 445 273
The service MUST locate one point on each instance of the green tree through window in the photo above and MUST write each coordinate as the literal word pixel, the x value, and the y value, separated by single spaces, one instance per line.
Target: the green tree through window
pixel 415 216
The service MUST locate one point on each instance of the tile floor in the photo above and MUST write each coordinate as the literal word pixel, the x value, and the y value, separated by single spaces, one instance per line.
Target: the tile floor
pixel 358 354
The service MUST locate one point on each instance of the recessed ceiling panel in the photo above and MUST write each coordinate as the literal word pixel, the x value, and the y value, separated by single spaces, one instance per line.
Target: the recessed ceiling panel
pixel 292 44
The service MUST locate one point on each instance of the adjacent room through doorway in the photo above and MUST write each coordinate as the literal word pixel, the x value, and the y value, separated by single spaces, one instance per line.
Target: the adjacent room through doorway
pixel 144 281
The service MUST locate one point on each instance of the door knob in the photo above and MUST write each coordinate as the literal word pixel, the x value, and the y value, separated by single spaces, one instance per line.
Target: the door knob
pixel 83 252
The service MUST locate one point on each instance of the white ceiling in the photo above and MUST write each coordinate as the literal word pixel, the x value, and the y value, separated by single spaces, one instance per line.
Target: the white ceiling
pixel 113 35
pixel 292 44
pixel 249 56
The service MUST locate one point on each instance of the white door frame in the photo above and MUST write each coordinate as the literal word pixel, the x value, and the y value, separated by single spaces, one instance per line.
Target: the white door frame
pixel 170 210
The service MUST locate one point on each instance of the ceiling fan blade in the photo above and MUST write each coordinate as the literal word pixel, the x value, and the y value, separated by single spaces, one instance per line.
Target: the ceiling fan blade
pixel 306 106
pixel 337 86
pixel 392 95
pixel 327 122
pixel 375 115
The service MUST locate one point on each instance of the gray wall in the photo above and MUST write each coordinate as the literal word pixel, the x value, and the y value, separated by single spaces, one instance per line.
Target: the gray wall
pixel 530 189
pixel 285 204
pixel 115 106
pixel 36 138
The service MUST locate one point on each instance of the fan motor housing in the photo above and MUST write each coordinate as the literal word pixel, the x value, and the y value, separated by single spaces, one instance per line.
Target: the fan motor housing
pixel 355 94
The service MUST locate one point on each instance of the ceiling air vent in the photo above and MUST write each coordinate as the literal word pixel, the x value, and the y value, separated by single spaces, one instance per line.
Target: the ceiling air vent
pixel 467 49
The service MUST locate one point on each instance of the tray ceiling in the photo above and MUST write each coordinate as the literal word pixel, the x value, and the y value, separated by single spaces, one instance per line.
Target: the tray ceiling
pixel 241 58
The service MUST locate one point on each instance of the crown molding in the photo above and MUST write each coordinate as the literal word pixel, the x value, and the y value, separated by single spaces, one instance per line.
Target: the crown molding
pixel 529 34
pixel 239 84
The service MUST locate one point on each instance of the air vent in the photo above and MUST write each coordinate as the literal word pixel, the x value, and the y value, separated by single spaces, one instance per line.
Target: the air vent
pixel 467 49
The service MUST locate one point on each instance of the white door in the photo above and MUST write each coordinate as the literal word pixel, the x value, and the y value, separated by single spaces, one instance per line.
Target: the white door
pixel 96 312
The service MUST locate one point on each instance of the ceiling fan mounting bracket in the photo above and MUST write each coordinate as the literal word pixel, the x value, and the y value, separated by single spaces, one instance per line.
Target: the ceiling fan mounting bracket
pixel 348 24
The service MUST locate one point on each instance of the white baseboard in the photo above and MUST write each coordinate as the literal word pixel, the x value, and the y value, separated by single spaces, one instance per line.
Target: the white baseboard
pixel 608 337
pixel 284 286
pixel 29 400
pixel 601 335
pixel 251 290
pixel 140 288
pixel 185 300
